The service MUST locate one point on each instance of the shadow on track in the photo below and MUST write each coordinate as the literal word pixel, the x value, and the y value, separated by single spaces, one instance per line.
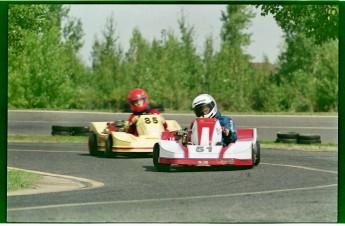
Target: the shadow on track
pixel 181 169
pixel 121 155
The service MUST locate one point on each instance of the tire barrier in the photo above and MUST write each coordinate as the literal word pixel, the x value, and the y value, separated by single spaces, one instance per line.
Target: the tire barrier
pixel 287 137
pixel 309 139
pixel 294 137
pixel 70 131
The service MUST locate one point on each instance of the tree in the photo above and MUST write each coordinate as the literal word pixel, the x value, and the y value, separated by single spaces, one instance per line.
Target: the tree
pixel 43 71
pixel 320 22
pixel 38 77
pixel 23 18
pixel 191 64
pixel 208 65
pixel 106 68
pixel 233 78
pixel 308 74
pixel 307 70
pixel 138 61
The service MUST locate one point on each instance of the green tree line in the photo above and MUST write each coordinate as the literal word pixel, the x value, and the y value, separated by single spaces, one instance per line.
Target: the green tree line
pixel 45 70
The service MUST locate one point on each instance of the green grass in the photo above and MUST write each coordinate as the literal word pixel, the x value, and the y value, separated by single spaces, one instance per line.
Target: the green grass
pixel 18 179
pixel 46 139
pixel 299 147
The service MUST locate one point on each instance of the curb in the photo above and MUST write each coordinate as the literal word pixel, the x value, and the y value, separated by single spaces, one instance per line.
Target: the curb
pixel 55 183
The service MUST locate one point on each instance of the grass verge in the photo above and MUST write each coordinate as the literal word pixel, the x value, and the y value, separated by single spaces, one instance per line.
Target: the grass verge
pixel 19 179
pixel 46 139
pixel 299 147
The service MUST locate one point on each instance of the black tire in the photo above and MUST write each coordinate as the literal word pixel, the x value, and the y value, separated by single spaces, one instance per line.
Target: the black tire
pixel 287 135
pixel 257 154
pixel 61 133
pixel 309 137
pixel 81 129
pixel 160 167
pixel 92 143
pixel 109 147
pixel 82 134
pixel 253 158
pixel 287 141
pixel 62 128
pixel 309 141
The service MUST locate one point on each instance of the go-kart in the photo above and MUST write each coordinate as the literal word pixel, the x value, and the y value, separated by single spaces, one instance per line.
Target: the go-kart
pixel 202 146
pixel 109 138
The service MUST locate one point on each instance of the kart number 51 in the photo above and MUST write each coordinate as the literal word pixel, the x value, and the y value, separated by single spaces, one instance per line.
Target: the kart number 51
pixel 203 149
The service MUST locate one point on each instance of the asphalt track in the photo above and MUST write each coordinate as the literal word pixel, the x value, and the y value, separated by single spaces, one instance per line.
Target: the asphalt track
pixel 287 187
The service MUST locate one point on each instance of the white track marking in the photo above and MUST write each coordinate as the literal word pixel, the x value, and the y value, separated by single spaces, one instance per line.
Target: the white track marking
pixel 171 199
pixel 301 167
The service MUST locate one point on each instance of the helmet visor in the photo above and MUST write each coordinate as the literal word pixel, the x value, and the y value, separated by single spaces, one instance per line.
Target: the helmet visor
pixel 203 109
pixel 138 102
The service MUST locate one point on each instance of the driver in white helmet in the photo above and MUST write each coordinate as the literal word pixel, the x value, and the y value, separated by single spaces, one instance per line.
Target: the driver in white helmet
pixel 205 106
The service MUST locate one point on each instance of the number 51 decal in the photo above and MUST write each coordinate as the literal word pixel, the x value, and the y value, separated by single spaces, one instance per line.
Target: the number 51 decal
pixel 202 149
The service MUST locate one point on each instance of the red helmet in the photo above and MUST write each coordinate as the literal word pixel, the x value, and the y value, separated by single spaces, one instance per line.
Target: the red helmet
pixel 135 95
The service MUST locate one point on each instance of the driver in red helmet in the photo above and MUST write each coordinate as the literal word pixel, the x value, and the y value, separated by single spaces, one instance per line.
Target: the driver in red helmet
pixel 138 100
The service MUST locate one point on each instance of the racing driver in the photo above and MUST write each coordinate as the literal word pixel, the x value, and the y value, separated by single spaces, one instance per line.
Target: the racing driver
pixel 205 106
pixel 138 100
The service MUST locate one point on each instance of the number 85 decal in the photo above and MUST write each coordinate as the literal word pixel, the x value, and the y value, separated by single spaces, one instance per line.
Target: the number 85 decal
pixel 202 149
pixel 148 120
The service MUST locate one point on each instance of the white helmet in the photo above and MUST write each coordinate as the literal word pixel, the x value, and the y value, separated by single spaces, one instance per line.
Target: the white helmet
pixel 204 106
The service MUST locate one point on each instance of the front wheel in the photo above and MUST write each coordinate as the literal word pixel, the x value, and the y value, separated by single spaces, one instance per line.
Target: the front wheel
pixel 93 144
pixel 159 166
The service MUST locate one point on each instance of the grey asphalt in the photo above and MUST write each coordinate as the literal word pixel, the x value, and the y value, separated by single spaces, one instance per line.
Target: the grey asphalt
pixel 40 122
pixel 288 186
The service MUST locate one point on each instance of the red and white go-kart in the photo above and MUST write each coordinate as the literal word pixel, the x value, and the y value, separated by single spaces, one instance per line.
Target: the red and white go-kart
pixel 201 146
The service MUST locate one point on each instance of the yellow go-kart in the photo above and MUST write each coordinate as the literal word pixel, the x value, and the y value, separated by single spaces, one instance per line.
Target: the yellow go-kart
pixel 109 139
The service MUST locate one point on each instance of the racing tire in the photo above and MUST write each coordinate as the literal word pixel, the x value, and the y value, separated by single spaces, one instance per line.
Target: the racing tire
pixel 83 134
pixel 309 137
pixel 61 133
pixel 309 141
pixel 109 147
pixel 287 135
pixel 257 154
pixel 160 167
pixel 81 129
pixel 253 159
pixel 62 128
pixel 92 143
pixel 287 141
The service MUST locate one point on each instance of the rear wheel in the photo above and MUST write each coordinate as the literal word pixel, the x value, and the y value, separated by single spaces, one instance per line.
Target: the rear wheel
pixel 109 147
pixel 159 166
pixel 93 144
pixel 257 154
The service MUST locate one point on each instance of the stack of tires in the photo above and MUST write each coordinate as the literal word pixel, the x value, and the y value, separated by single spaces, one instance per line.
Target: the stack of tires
pixel 294 137
pixel 70 131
